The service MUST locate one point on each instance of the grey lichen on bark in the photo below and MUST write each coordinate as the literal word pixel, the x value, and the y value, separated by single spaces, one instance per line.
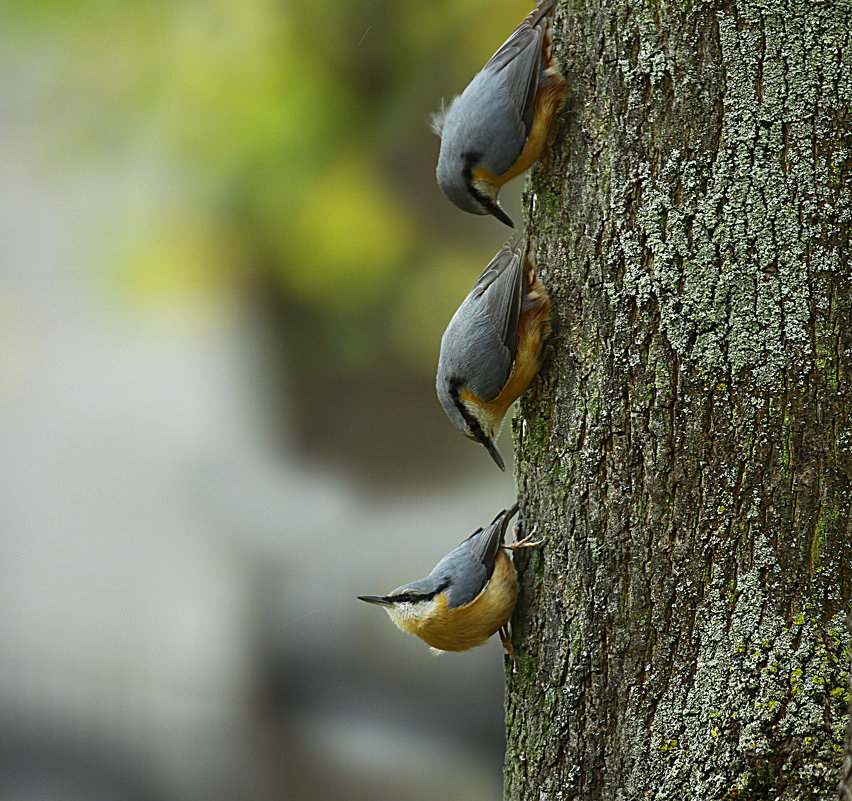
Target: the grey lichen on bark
pixel 686 450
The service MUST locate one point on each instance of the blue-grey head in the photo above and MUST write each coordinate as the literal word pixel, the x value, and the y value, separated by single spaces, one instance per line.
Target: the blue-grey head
pixel 412 604
pixel 462 172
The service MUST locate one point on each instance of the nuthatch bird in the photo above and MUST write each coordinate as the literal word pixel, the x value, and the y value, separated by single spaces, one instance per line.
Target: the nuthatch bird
pixel 491 350
pixel 498 126
pixel 469 595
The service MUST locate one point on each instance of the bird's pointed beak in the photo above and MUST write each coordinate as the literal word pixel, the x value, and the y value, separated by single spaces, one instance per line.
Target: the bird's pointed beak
pixel 379 600
pixel 495 454
pixel 502 216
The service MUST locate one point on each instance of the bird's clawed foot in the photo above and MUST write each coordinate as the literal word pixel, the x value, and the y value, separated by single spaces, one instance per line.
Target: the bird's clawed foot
pixel 506 642
pixel 526 542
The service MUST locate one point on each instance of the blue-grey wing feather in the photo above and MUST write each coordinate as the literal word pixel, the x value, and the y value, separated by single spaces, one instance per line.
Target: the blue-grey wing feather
pixel 471 564
pixel 485 328
pixel 469 574
pixel 518 63
pixel 499 290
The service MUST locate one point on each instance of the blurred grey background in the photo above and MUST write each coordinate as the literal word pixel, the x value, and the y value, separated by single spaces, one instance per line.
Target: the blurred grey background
pixel 224 272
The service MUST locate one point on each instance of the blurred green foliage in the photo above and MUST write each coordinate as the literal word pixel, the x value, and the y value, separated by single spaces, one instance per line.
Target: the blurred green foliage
pixel 287 140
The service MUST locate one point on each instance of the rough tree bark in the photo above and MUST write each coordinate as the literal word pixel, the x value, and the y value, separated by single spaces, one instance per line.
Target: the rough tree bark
pixel 687 449
pixel 844 791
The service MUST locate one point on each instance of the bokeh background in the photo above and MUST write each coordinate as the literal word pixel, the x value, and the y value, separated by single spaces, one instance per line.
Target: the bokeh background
pixel 225 267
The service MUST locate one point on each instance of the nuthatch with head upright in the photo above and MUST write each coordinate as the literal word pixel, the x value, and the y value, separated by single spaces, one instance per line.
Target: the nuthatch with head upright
pixel 469 595
pixel 498 126
pixel 491 350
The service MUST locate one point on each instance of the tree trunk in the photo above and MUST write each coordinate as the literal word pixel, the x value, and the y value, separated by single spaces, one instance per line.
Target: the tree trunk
pixel 686 451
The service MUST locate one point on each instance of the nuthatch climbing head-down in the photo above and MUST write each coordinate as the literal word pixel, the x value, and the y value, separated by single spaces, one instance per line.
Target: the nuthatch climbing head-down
pixel 469 595
pixel 498 126
pixel 491 350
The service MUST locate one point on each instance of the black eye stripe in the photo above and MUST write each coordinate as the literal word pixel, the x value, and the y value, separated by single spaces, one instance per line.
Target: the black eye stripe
pixel 467 173
pixel 472 422
pixel 410 597
pixel 469 160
